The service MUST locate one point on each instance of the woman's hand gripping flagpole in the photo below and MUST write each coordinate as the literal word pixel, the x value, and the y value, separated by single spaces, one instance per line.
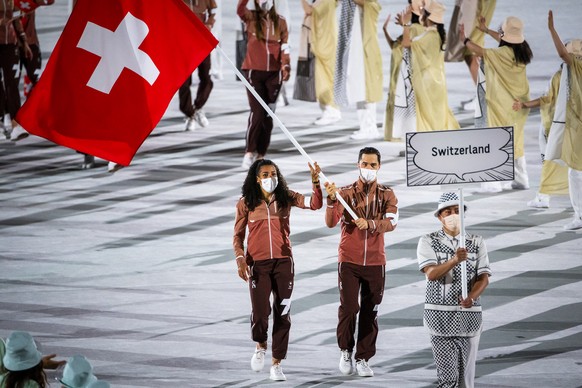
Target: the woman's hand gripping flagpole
pixel 283 128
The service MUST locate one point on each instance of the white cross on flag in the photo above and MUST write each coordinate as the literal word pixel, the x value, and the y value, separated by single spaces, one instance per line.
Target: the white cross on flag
pixel 112 74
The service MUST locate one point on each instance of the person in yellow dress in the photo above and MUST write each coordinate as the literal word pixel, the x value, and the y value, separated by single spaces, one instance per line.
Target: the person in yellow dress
pixel 505 72
pixel 400 115
pixel 428 70
pixel 554 177
pixel 323 38
pixel 358 78
pixel 569 149
pixel 470 13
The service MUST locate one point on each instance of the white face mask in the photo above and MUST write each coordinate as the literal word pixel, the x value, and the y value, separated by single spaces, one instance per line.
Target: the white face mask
pixel 452 222
pixel 266 5
pixel 269 184
pixel 368 175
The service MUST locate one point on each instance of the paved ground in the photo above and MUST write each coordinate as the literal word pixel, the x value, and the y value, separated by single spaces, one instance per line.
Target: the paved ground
pixel 135 270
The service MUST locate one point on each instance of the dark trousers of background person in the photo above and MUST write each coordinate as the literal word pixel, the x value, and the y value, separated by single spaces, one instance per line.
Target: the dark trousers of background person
pixel 367 284
pixel 276 276
pixel 260 125
pixel 32 66
pixel 9 59
pixel 204 89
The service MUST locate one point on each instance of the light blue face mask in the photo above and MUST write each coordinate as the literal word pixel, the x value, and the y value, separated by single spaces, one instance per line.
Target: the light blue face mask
pixel 269 184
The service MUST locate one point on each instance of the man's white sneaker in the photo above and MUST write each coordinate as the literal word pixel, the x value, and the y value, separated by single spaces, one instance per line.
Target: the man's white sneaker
pixel 575 224
pixel 346 365
pixel 364 369
pixel 18 133
pixel 200 118
pixel 258 360
pixel 277 373
pixel 190 124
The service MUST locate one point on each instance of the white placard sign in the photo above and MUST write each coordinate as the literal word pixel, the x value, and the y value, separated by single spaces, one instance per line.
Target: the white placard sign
pixel 459 156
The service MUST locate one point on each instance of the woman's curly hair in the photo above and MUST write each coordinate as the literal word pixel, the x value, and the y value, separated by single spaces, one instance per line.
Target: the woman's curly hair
pixel 251 189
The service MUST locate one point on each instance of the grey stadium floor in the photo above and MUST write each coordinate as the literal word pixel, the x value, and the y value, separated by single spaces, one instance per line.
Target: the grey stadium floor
pixel 135 269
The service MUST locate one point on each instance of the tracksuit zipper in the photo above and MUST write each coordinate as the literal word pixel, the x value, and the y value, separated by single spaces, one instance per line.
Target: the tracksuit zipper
pixel 267 45
pixel 366 238
pixel 269 223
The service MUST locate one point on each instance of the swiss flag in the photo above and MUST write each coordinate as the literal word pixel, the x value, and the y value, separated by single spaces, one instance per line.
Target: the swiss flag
pixel 112 74
pixel 26 5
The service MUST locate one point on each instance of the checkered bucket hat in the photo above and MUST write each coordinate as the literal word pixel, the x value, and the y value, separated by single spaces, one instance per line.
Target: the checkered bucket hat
pixel 446 200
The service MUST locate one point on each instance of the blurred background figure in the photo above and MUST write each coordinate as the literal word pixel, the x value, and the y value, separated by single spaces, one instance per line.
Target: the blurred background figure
pixel 323 39
pixel 205 11
pixel 12 41
pixel 428 69
pixel 400 115
pixel 470 13
pixel 506 80
pixel 565 141
pixel 22 363
pixel 358 75
pixel 78 373
pixel 554 177
pixel 266 66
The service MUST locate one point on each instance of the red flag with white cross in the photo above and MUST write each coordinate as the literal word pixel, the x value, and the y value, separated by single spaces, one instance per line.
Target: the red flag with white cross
pixel 113 73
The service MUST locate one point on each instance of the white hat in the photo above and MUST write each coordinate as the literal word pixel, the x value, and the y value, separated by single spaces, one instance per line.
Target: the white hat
pixel 512 30
pixel 446 200
pixel 575 47
pixel 99 384
pixel 78 373
pixel 21 352
pixel 436 11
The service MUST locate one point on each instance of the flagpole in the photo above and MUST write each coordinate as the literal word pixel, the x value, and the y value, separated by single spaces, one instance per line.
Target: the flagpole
pixel 283 128
pixel 464 292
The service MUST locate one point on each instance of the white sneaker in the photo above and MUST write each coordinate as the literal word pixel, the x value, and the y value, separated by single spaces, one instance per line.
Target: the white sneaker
pixel 575 224
pixel 190 124
pixel 539 202
pixel 346 365
pixel 364 369
pixel 277 373
pixel 329 116
pixel 200 118
pixel 18 133
pixel 258 360
pixel 112 167
pixel 366 134
pixel 247 161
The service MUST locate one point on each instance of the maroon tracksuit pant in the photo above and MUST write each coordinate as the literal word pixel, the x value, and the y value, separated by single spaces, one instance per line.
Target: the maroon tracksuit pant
pixel 272 276
pixel 33 65
pixel 9 60
pixel 365 283
pixel 204 89
pixel 260 125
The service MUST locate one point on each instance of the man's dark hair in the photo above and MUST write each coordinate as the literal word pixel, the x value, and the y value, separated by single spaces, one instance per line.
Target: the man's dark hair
pixel 368 151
